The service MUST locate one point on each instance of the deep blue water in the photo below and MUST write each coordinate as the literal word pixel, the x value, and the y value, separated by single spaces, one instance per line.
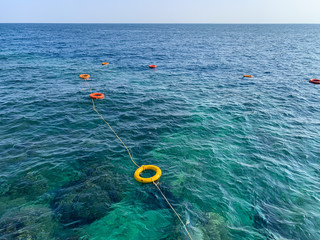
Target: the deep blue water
pixel 240 156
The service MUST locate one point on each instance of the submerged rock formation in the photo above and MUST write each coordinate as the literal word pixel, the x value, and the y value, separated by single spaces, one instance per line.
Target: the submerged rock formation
pixel 30 186
pixel 87 199
pixel 213 226
pixel 32 222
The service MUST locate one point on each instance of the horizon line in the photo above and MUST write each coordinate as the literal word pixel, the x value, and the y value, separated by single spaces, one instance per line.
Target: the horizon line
pixel 152 23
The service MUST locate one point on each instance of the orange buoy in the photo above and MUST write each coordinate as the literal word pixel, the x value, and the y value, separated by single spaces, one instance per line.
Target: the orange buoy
pixel 248 76
pixel 315 81
pixel 84 76
pixel 152 66
pixel 104 63
pixel 97 95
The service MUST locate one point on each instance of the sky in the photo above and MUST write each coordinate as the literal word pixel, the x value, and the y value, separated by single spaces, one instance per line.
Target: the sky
pixel 161 11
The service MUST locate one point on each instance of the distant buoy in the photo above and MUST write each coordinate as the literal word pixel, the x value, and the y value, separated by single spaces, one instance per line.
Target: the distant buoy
pixel 150 179
pixel 97 95
pixel 315 81
pixel 248 76
pixel 152 66
pixel 104 63
pixel 84 76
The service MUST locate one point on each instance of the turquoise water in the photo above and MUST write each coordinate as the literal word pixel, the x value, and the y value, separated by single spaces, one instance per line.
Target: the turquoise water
pixel 239 156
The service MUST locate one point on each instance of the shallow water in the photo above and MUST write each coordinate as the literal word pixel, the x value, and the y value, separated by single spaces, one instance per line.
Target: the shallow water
pixel 239 156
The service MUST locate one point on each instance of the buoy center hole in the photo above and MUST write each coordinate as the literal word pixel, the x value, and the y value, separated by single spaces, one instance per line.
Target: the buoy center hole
pixel 147 173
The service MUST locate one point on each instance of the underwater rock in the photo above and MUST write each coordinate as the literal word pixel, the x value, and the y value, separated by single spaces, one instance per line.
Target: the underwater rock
pixel 30 186
pixel 33 222
pixel 88 199
pixel 205 226
pixel 213 227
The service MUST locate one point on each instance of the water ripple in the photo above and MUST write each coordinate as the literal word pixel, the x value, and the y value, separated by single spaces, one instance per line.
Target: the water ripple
pixel 239 156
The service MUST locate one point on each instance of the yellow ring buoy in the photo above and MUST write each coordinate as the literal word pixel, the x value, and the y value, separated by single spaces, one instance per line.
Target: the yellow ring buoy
pixel 150 179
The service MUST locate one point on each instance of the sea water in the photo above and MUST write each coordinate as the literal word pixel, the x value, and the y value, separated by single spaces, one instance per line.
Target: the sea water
pixel 239 156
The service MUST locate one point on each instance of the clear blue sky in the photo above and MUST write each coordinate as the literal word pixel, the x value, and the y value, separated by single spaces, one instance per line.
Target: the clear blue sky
pixel 161 11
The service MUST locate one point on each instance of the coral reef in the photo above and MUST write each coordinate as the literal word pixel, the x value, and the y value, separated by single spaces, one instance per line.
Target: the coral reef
pixel 30 186
pixel 32 222
pixel 213 227
pixel 87 199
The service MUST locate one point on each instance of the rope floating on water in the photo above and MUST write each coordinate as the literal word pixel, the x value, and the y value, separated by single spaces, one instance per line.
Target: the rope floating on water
pixel 185 227
pixel 94 108
pixel 178 216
